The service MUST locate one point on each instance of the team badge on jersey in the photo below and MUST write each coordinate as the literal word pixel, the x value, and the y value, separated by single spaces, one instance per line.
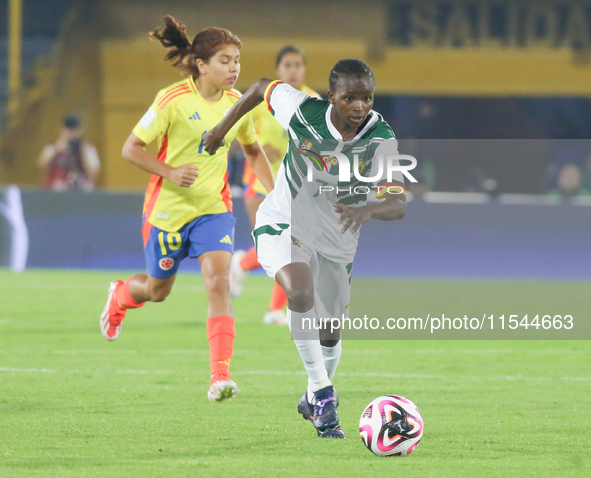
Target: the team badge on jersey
pixel 306 148
pixel 166 263
pixel 296 242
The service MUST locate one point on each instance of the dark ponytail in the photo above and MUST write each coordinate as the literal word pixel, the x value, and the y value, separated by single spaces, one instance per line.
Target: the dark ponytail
pixel 174 37
pixel 183 53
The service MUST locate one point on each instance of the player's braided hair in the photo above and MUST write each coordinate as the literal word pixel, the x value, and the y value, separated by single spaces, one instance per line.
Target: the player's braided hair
pixel 184 53
pixel 348 66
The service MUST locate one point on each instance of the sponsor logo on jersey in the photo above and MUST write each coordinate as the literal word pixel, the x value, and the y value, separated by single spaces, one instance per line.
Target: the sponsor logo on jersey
pixel 166 263
pixel 331 160
pixel 195 116
pixel 162 215
pixel 226 239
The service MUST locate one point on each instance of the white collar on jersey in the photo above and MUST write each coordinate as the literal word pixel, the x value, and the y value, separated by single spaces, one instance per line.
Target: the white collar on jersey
pixel 373 117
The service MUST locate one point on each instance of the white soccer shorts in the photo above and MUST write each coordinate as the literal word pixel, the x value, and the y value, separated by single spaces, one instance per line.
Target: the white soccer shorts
pixel 276 247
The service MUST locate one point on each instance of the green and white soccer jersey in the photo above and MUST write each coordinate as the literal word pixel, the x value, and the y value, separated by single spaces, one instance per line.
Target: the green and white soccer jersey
pixel 308 182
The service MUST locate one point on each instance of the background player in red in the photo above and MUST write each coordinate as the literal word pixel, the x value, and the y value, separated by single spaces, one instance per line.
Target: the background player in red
pixel 188 207
pixel 291 68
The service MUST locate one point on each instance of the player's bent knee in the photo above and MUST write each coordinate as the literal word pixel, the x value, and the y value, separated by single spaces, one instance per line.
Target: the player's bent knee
pixel 286 288
pixel 302 298
pixel 218 284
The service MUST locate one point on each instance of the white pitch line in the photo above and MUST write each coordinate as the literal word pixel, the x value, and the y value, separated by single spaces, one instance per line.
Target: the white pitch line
pixel 347 351
pixel 47 370
pixel 419 376
pixel 434 351
pixel 32 370
pixel 92 352
pixel 115 352
pixel 277 372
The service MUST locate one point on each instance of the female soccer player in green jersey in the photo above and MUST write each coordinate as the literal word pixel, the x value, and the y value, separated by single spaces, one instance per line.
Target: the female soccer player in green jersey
pixel 188 207
pixel 306 233
pixel 290 67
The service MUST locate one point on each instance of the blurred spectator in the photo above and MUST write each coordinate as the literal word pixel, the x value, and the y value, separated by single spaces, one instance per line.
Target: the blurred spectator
pixel 569 183
pixel 586 174
pixel 480 182
pixel 567 153
pixel 71 162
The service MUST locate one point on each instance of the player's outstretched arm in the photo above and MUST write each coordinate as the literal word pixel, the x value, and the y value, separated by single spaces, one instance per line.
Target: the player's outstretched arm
pixel 393 207
pixel 214 138
pixel 135 152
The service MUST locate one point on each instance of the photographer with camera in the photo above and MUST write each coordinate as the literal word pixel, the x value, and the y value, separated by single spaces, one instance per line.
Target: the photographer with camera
pixel 71 162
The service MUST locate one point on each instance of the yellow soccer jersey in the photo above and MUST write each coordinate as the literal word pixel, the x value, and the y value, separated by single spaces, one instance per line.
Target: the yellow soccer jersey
pixel 269 132
pixel 177 118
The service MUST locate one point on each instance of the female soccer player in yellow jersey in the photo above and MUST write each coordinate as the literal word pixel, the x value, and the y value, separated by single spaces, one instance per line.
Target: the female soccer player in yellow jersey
pixel 188 208
pixel 291 68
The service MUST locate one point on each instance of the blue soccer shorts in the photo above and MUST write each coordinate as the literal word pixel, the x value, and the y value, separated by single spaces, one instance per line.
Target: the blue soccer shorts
pixel 165 250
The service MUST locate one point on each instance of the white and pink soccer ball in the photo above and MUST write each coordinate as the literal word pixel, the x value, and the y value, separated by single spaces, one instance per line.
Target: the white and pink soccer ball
pixel 391 425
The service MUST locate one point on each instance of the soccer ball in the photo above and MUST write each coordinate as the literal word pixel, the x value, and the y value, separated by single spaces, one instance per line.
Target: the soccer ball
pixel 391 425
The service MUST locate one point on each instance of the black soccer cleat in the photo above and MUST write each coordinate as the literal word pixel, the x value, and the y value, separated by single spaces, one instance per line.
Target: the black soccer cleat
pixel 335 432
pixel 306 409
pixel 325 409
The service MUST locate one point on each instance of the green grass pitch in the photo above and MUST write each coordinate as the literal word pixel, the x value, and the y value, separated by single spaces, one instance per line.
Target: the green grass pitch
pixel 72 404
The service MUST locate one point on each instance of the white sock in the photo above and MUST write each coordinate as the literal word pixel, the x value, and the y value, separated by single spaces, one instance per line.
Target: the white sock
pixel 332 355
pixel 311 353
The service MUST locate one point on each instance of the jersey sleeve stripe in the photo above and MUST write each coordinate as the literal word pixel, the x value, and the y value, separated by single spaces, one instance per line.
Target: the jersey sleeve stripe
pixel 192 85
pixel 152 192
pixel 174 96
pixel 225 192
pixel 394 182
pixel 233 94
pixel 382 189
pixel 168 94
pixel 268 92
pixel 172 90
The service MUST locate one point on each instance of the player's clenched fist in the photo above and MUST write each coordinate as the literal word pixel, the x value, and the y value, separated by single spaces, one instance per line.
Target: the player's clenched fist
pixel 212 141
pixel 184 175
